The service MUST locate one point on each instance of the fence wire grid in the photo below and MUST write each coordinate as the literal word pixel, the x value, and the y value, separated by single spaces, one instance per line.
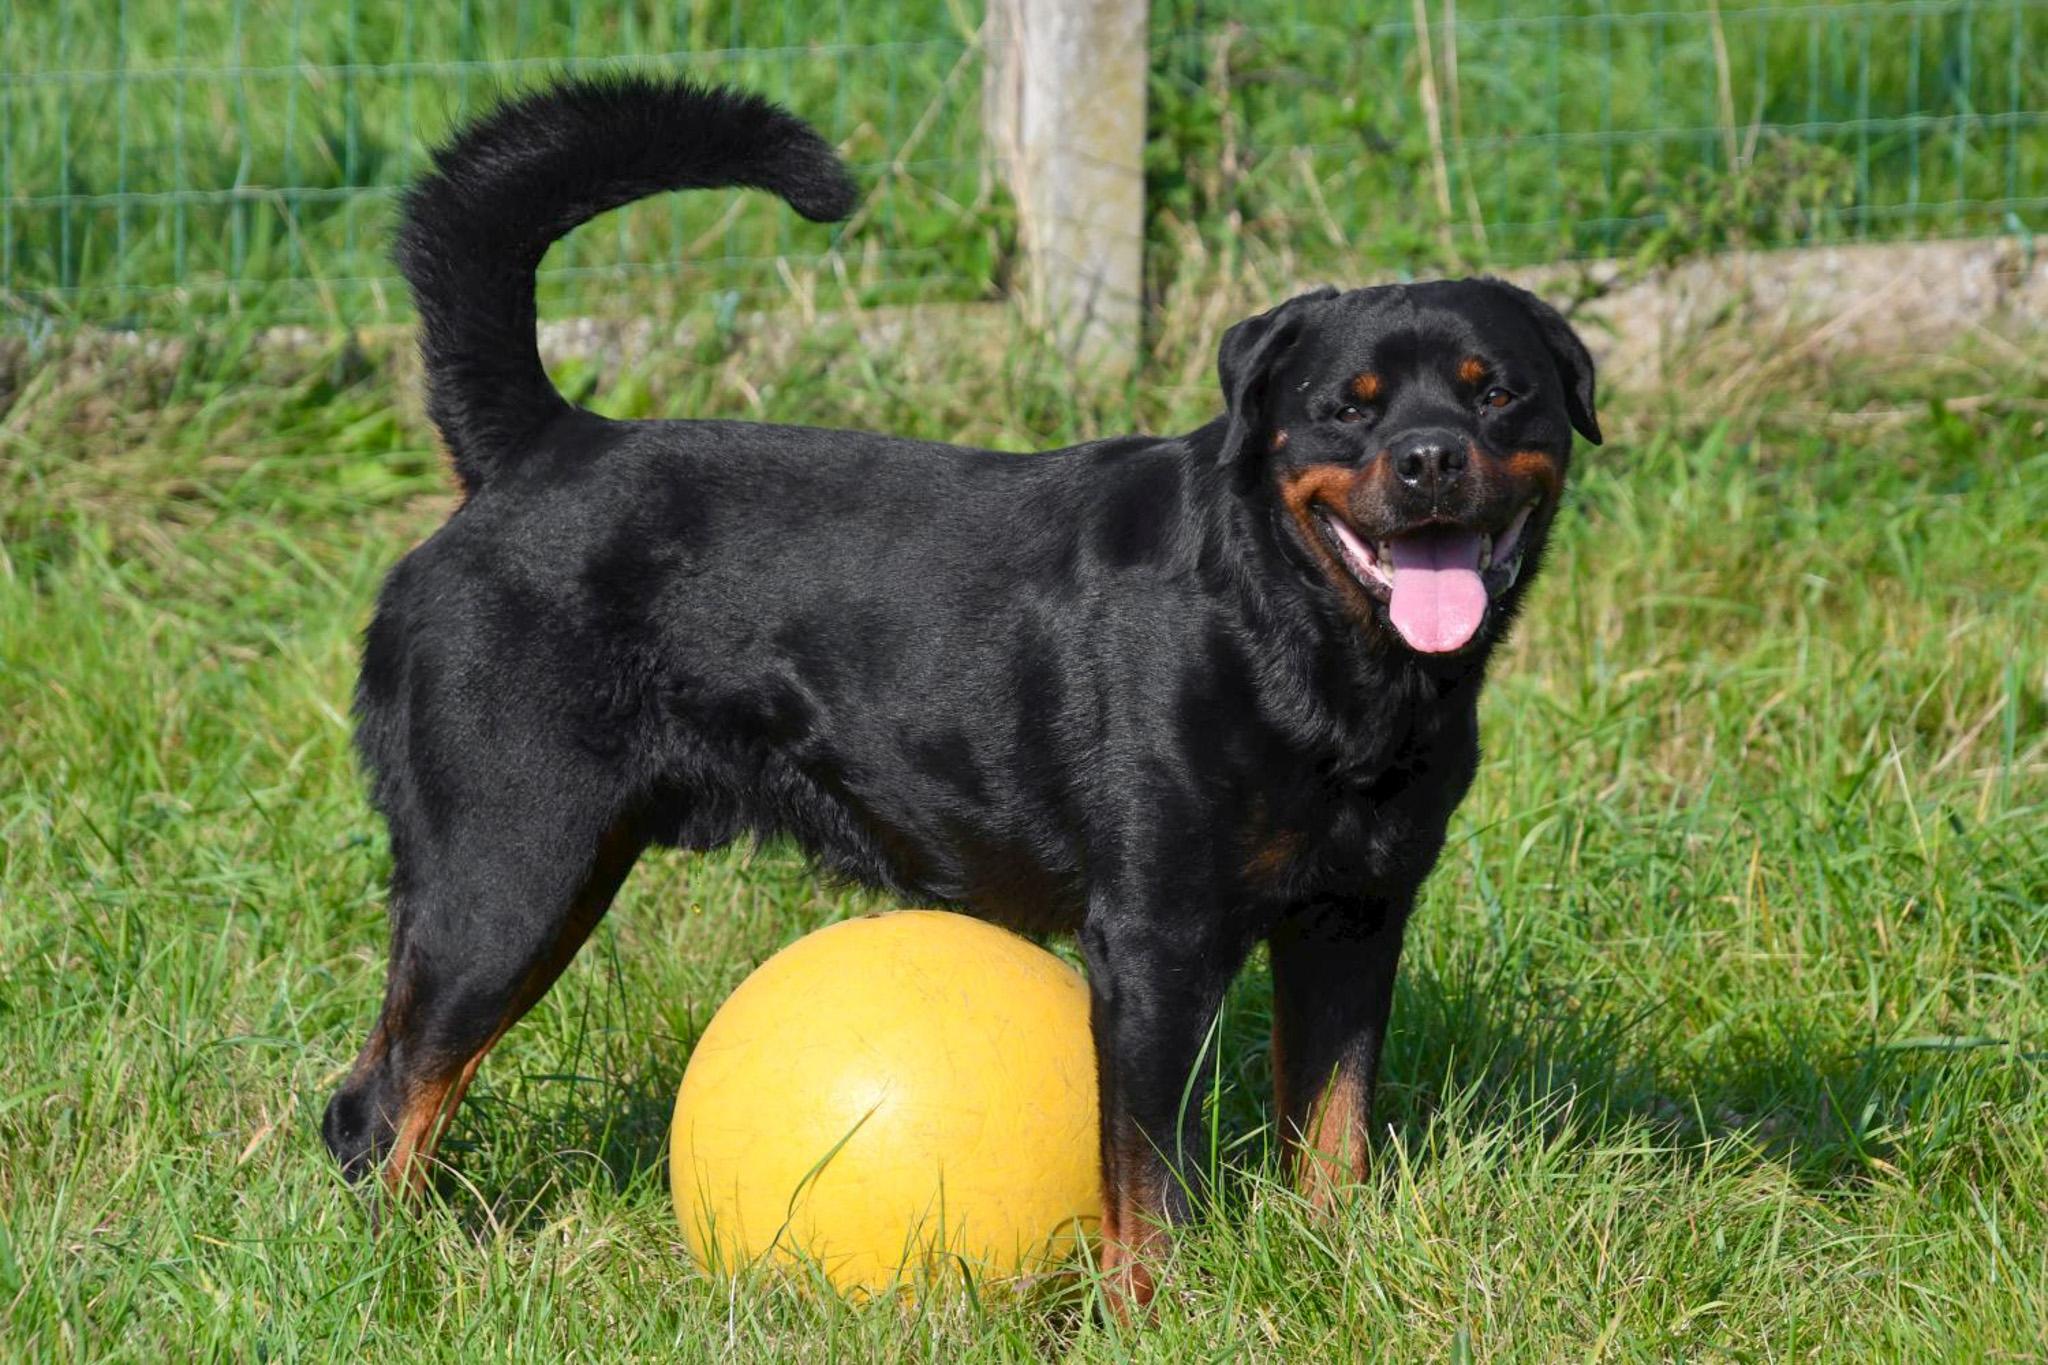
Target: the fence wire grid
pixel 162 160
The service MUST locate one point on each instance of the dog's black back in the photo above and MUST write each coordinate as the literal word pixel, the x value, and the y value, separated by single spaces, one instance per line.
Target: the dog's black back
pixel 1150 690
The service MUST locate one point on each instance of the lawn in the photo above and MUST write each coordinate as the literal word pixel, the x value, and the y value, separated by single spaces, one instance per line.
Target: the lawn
pixel 1721 1033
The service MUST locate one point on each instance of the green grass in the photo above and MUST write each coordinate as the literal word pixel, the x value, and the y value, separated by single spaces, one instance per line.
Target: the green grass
pixel 159 158
pixel 1722 1034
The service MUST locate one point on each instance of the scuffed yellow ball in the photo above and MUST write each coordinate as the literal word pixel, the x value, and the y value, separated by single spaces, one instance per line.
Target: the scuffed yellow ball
pixel 889 1097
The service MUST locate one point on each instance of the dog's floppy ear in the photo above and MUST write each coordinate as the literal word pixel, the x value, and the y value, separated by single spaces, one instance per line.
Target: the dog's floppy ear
pixel 1246 358
pixel 1574 362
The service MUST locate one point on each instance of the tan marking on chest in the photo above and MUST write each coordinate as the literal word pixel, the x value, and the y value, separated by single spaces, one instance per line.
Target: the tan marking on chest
pixel 1272 854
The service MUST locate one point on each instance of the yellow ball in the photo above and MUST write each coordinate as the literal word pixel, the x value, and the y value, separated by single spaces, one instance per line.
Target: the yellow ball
pixel 889 1097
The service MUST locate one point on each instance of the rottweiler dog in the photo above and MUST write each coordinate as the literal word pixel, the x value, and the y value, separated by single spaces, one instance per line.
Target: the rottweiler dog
pixel 1175 695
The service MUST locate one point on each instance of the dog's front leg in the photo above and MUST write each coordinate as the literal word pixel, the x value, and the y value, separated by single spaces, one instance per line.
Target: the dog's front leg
pixel 1156 978
pixel 1333 987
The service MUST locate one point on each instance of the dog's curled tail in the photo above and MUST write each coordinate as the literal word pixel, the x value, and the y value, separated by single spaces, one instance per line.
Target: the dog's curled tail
pixel 474 229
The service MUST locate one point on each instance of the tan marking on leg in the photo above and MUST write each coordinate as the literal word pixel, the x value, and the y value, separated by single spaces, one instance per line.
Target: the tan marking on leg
pixel 1128 1255
pixel 420 1123
pixel 1277 1054
pixel 432 1105
pixel 427 1116
pixel 1133 1234
pixel 1331 1155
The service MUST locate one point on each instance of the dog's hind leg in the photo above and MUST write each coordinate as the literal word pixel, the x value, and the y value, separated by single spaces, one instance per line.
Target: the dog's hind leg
pixel 483 922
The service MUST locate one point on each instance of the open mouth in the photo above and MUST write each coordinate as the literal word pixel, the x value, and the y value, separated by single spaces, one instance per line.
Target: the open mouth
pixel 1436 580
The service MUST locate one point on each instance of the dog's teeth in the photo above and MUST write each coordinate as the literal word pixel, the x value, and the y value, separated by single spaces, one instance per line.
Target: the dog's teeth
pixel 1485 553
pixel 1514 570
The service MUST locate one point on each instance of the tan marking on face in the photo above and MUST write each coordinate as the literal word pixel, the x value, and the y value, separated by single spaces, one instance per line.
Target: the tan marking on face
pixel 1535 466
pixel 1366 386
pixel 1471 369
pixel 1280 439
pixel 1332 486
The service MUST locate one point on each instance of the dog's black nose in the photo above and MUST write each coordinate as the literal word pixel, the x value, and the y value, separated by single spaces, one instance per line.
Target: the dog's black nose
pixel 1428 459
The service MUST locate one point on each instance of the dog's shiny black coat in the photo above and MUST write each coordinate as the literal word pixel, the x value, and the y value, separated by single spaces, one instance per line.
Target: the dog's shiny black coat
pixel 1124 690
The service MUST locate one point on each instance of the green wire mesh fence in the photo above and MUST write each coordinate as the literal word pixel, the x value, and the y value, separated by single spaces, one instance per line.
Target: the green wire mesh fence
pixel 1481 132
pixel 163 157
pixel 164 160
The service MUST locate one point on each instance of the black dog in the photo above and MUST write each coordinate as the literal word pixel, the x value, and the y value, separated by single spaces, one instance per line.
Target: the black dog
pixel 1173 694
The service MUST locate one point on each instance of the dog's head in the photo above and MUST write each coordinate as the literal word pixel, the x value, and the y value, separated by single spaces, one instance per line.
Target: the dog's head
pixel 1417 438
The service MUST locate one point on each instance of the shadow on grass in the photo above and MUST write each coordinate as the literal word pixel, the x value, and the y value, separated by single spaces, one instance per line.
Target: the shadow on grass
pixel 1476 1051
pixel 1607 1070
pixel 519 1151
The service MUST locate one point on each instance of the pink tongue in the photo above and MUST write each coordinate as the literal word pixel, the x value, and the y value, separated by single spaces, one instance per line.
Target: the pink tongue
pixel 1438 599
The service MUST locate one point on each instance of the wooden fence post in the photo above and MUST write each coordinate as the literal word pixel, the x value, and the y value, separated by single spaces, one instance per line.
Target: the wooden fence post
pixel 1064 106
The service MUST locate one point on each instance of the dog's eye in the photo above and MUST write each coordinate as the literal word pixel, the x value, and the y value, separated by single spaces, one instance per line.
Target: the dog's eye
pixel 1351 412
pixel 1496 397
